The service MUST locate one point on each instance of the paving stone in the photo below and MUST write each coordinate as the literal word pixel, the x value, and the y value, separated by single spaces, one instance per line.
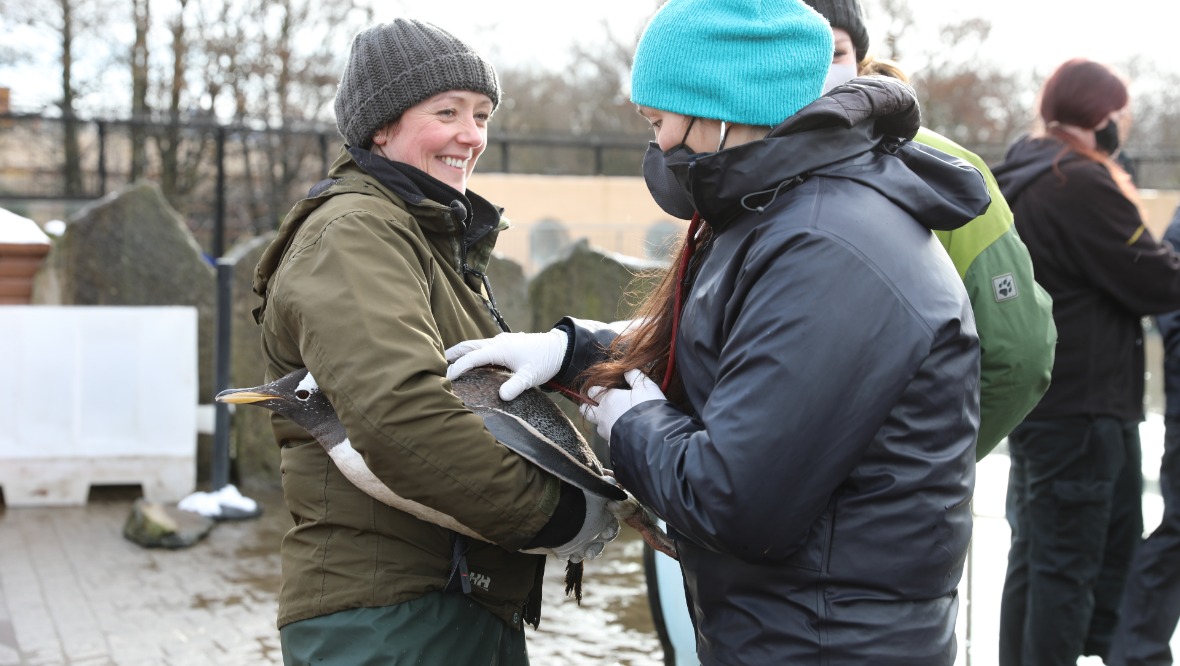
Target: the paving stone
pixel 92 661
pixel 74 592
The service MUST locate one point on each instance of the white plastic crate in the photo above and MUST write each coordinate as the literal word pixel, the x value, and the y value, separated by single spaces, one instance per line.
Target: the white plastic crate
pixel 96 395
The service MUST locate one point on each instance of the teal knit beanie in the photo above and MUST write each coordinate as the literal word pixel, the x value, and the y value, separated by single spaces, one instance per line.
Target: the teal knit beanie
pixel 753 62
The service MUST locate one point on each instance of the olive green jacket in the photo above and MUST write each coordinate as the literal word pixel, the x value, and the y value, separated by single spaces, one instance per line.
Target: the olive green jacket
pixel 365 289
pixel 1013 314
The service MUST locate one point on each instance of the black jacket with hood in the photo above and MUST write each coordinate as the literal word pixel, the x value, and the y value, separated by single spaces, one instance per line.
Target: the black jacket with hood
pixel 819 478
pixel 1092 253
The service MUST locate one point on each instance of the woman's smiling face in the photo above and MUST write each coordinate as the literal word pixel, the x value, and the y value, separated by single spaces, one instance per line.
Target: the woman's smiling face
pixel 443 135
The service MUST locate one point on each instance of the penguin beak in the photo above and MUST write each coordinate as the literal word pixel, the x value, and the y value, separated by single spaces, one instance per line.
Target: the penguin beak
pixel 243 397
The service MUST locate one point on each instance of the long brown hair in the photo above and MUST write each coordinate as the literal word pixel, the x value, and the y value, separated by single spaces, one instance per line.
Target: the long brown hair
pixel 874 66
pixel 648 345
pixel 1082 93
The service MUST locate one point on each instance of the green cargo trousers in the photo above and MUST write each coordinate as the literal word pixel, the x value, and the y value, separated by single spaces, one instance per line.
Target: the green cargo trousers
pixel 440 629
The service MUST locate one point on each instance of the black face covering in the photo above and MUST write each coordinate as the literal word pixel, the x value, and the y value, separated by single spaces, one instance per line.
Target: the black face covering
pixel 662 182
pixel 666 174
pixel 1107 138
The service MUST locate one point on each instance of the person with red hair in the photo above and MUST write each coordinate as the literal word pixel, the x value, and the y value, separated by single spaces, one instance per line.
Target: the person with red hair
pixel 1074 489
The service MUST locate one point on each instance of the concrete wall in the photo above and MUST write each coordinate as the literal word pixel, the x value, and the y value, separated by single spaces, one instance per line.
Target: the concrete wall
pixel 614 213
pixel 1159 206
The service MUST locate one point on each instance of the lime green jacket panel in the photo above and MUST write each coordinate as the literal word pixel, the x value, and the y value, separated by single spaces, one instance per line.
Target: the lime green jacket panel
pixel 1017 337
pixel 1013 314
pixel 967 242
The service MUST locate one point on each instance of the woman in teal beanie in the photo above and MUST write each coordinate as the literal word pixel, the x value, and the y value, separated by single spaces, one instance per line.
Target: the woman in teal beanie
pixel 798 399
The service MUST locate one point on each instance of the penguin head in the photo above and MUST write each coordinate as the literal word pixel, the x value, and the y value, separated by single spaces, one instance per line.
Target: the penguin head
pixel 295 396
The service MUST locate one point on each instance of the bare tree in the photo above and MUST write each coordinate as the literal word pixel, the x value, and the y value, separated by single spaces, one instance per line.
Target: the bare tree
pixel 68 22
pixel 588 98
pixel 602 83
pixel 1154 142
pixel 963 95
pixel 297 85
pixel 71 149
pixel 140 73
pixel 178 170
pixel 898 18
pixel 968 98
pixel 265 64
pixel 9 54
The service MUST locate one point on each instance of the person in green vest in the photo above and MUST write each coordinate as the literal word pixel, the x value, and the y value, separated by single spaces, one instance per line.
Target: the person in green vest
pixel 1014 315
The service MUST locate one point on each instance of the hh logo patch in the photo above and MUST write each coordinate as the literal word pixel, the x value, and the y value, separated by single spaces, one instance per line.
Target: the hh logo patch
pixel 1004 287
pixel 481 581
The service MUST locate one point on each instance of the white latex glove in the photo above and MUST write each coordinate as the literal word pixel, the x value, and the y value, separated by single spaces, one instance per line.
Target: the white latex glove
pixel 533 358
pixel 613 403
pixel 599 528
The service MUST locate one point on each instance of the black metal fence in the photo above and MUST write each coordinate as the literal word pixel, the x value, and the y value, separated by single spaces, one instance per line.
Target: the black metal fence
pixel 233 180
pixel 1152 167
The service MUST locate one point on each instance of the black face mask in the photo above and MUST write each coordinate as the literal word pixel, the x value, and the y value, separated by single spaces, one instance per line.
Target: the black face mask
pixel 662 183
pixel 1107 138
pixel 666 175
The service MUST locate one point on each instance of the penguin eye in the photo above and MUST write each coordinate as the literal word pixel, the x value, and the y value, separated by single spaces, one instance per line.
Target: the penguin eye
pixel 303 394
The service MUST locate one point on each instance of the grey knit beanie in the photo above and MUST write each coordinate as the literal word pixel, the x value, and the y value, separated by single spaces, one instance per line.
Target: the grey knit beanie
pixel 845 14
pixel 393 66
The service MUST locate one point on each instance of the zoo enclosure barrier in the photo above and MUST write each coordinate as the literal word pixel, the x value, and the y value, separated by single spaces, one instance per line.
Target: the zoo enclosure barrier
pixel 234 180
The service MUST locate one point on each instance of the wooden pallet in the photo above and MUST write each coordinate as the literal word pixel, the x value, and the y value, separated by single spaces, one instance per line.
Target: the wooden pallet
pixel 18 264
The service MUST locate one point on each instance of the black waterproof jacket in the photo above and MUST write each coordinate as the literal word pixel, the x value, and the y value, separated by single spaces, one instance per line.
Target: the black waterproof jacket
pixel 1092 253
pixel 818 482
pixel 1169 327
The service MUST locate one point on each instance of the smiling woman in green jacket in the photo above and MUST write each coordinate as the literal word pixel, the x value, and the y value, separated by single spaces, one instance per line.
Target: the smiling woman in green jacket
pixel 370 277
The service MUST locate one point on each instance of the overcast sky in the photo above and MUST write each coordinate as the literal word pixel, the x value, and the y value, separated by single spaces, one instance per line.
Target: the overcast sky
pixel 1030 35
pixel 1025 33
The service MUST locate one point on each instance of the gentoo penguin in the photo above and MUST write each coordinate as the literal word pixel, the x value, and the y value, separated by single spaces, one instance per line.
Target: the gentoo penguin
pixel 298 397
pixel 531 425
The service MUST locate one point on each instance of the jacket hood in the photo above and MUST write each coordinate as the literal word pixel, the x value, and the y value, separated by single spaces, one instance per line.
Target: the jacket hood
pixel 1026 161
pixel 859 131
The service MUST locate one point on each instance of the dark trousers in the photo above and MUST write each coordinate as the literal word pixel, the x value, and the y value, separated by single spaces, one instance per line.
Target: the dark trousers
pixel 1151 601
pixel 1075 507
pixel 439 629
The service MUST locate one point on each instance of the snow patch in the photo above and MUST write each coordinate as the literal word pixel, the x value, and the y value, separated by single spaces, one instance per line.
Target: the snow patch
pixel 17 229
pixel 214 504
